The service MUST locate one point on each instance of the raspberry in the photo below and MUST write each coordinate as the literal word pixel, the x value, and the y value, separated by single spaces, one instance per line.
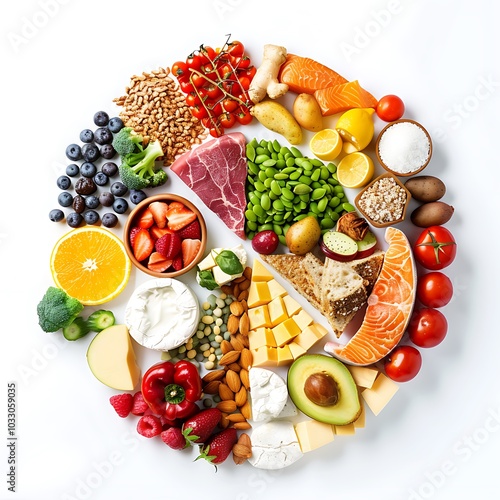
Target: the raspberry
pixel 139 406
pixel 149 426
pixel 122 403
pixel 174 438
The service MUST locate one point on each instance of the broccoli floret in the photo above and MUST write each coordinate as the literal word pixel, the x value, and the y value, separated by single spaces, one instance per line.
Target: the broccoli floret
pixel 127 141
pixel 99 320
pixel 57 310
pixel 76 330
pixel 139 171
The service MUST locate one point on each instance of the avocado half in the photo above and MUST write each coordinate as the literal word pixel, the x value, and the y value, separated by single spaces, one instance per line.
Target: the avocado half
pixel 347 407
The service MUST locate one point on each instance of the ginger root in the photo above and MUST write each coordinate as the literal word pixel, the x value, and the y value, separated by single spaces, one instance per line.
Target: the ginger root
pixel 265 80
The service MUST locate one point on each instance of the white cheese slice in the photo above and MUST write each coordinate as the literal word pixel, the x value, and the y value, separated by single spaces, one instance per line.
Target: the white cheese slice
pixel 274 445
pixel 268 394
pixel 289 410
pixel 162 314
pixel 207 263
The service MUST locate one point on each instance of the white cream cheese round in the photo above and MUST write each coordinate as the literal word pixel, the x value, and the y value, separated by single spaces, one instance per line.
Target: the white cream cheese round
pixel 162 314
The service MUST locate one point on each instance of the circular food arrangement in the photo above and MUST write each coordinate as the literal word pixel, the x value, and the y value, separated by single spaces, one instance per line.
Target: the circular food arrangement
pixel 271 348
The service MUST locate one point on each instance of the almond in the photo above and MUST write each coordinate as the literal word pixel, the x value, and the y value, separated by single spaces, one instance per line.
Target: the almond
pixel 214 374
pixel 212 387
pixel 228 290
pixel 244 324
pixel 229 357
pixel 233 381
pixel 245 440
pixel 233 323
pixel 247 272
pixel 237 344
pixel 243 339
pixel 242 425
pixel 225 393
pixel 246 410
pixel 244 285
pixel 224 421
pixel 225 346
pixel 236 308
pixel 236 417
pixel 236 290
pixel 240 398
pixel 242 451
pixel 240 279
pixel 234 366
pixel 246 358
pixel 227 406
pixel 245 378
pixel 243 296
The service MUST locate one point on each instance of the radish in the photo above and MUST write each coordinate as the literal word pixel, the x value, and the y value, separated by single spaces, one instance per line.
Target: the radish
pixel 338 246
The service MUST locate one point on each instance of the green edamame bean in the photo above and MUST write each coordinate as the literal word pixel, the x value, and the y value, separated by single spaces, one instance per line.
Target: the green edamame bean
pixel 261 158
pixel 254 169
pixel 290 162
pixel 275 187
pixel 269 163
pixel 280 176
pixel 316 174
pixel 324 173
pixel 259 186
pixel 265 227
pixel 252 225
pixel 262 175
pixel 284 151
pixel 305 179
pixel 276 146
pixel 259 211
pixel 318 193
pixel 348 207
pixel 301 189
pixel 280 163
pixel 250 152
pixel 278 205
pixel 322 204
pixel 265 202
pixel 326 223
pixel 270 171
pixel 296 152
pixel 287 193
pixel 307 165
pixel 334 201
pixel 261 151
pixel 250 215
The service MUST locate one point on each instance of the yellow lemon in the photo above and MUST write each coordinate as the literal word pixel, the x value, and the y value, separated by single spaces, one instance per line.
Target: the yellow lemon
pixel 90 264
pixel 326 144
pixel 355 170
pixel 356 127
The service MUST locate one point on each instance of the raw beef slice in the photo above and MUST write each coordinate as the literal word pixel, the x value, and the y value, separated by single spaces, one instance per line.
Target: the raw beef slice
pixel 216 171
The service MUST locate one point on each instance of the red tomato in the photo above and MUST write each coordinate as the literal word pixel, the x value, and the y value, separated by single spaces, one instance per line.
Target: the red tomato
pixel 198 111
pixel 225 71
pixel 428 327
pixel 198 80
pixel 435 248
pixel 236 48
pixel 186 86
pixel 213 107
pixel 390 108
pixel 213 91
pixel 403 363
pixel 227 120
pixel 180 69
pixel 244 82
pixel 229 105
pixel 192 99
pixel 243 116
pixel 207 54
pixel 194 61
pixel 434 289
pixel 241 63
pixel 249 72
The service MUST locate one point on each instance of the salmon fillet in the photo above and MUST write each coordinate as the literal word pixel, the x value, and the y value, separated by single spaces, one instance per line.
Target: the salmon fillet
pixel 342 97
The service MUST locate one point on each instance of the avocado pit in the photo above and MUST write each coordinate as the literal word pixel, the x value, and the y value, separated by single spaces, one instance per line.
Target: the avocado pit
pixel 321 389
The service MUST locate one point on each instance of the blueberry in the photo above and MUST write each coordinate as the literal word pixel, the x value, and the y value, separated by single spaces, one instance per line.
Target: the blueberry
pixel 92 201
pixel 108 151
pixel 72 170
pixel 109 168
pixel 91 217
pixel 56 215
pixel 120 206
pixel 101 118
pixel 86 135
pixel 103 136
pixel 101 179
pixel 109 220
pixel 63 182
pixel 65 199
pixel 73 219
pixel 118 188
pixel 88 169
pixel 115 124
pixel 90 152
pixel 136 196
pixel 74 152
pixel 106 199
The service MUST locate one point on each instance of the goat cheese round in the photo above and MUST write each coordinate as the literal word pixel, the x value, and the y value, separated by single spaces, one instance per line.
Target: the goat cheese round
pixel 274 445
pixel 268 394
pixel 162 314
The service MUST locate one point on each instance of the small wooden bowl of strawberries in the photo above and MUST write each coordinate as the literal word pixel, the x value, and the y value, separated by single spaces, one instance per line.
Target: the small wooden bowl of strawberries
pixel 165 235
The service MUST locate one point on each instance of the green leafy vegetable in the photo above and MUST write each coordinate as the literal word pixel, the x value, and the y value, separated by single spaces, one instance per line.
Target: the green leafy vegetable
pixel 228 262
pixel 206 280
pixel 57 310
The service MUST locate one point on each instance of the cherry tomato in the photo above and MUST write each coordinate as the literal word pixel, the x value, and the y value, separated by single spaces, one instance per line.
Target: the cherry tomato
pixel 428 327
pixel 390 108
pixel 180 70
pixel 198 111
pixel 207 54
pixel 227 120
pixel 243 116
pixel 236 48
pixel 249 72
pixel 215 132
pixel 213 91
pixel 434 289
pixel 209 70
pixel 403 363
pixel 229 105
pixel 240 63
pixel 435 248
pixel 226 71
pixel 186 86
pixel 198 80
pixel 192 99
pixel 244 82
pixel 194 61
pixel 213 107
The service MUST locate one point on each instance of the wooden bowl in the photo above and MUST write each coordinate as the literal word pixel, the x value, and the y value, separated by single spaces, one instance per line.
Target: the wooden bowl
pixel 375 202
pixel 403 170
pixel 132 222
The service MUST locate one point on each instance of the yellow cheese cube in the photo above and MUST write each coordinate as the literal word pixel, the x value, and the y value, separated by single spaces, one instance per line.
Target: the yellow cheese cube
pixel 286 331
pixel 363 376
pixel 258 294
pixel 265 356
pixel 296 349
pixel 313 434
pixel 259 316
pixel 292 306
pixel 345 430
pixel 277 311
pixel 276 289
pixel 319 330
pixel 261 337
pixel 260 273
pixel 361 420
pixel 380 393
pixel 284 355
pixel 310 335
pixel 303 319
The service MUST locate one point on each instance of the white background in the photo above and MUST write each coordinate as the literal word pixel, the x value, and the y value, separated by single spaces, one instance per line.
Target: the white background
pixel 64 60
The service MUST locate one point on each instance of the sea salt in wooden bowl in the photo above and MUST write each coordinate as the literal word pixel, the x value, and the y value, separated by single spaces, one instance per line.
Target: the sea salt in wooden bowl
pixel 404 148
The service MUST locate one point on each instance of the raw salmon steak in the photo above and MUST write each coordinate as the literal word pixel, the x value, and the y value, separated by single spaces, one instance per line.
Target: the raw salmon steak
pixel 342 97
pixel 389 306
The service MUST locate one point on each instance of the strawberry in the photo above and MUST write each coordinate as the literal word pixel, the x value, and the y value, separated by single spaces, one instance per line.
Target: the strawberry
pixel 169 245
pixel 143 244
pixel 218 447
pixel 190 248
pixel 139 406
pixel 157 233
pixel 122 403
pixel 159 209
pixel 192 231
pixel 177 263
pixel 198 429
pixel 146 219
pixel 158 262
pixel 132 234
pixel 179 217
pixel 149 426
pixel 174 438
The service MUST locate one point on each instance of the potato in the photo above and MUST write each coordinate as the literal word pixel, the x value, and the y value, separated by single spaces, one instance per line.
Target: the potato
pixel 277 118
pixel 434 213
pixel 426 188
pixel 307 112
pixel 303 235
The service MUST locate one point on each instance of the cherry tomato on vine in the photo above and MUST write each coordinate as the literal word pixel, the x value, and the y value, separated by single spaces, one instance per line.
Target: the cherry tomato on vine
pixel 249 72
pixel 213 107
pixel 227 120
pixel 198 111
pixel 180 70
pixel 198 80
pixel 435 248
pixel 428 327
pixel 390 108
pixel 240 63
pixel 207 54
pixel 229 105
pixel 213 91
pixel 192 99
pixel 243 116
pixel 186 86
pixel 434 289
pixel 244 82
pixel 236 48
pixel 403 363
pixel 194 61
pixel 226 71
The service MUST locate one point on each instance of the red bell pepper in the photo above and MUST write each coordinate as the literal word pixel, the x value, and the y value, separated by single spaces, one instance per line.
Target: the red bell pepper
pixel 172 389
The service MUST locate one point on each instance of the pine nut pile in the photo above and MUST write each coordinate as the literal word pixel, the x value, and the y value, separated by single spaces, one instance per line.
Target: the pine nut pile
pixel 155 107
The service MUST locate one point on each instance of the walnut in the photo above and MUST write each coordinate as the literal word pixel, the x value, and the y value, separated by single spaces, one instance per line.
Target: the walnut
pixel 353 225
